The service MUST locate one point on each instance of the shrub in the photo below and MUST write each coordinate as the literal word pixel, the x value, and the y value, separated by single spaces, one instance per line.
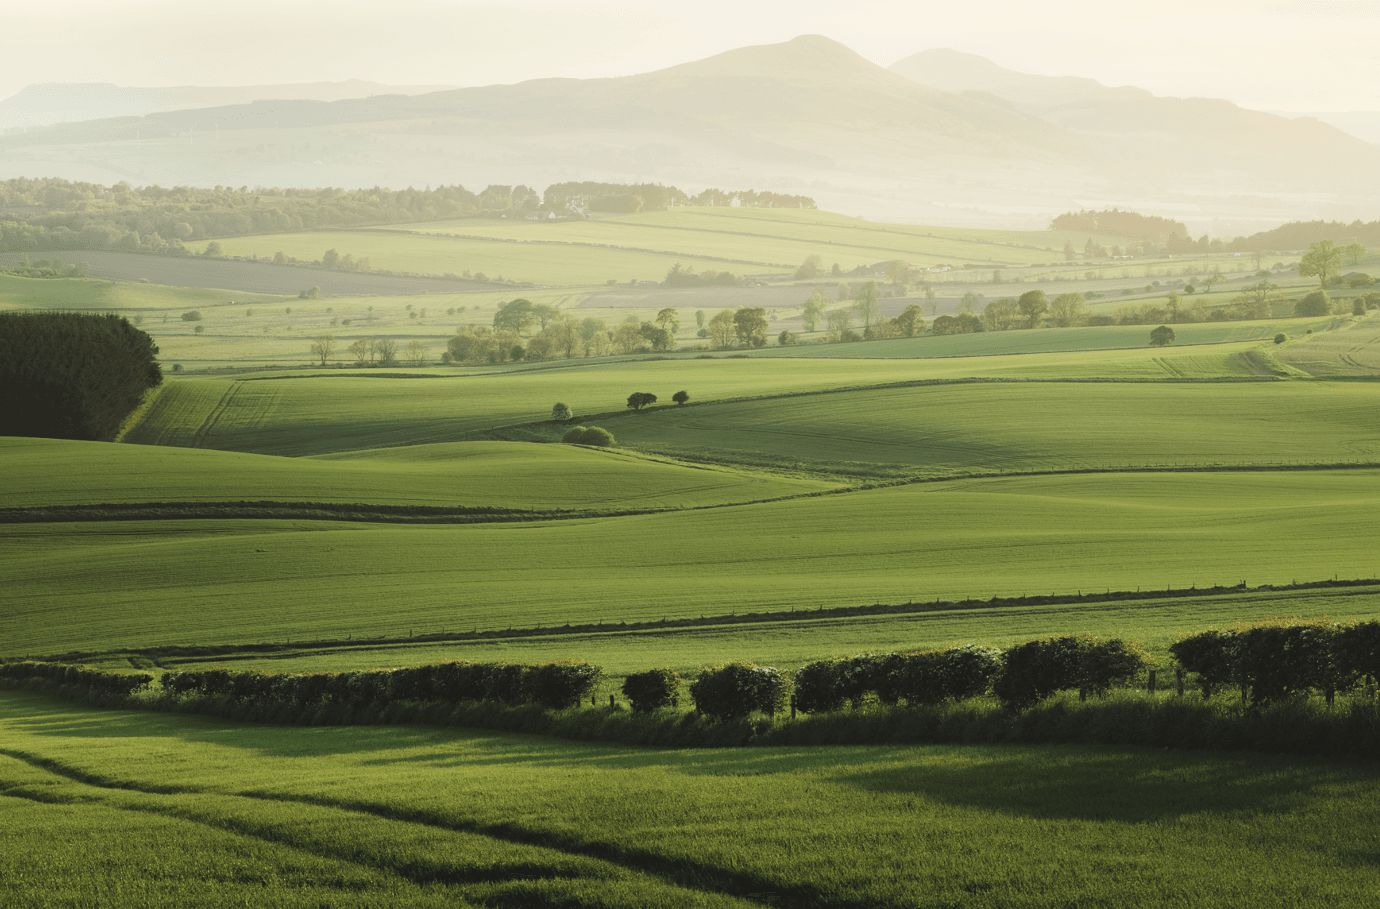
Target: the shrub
pixel 1282 659
pixel 1358 649
pixel 561 413
pixel 860 674
pixel 737 689
pixel 1162 336
pixel 1211 655
pixel 1034 670
pixel 817 687
pixel 640 399
pixel 97 681
pixel 589 435
pixel 1317 303
pixel 191 316
pixel 1281 338
pixel 681 397
pixel 1106 663
pixel 562 684
pixel 654 688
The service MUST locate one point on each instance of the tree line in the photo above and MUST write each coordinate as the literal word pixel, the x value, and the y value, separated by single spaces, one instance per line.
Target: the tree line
pixel 72 375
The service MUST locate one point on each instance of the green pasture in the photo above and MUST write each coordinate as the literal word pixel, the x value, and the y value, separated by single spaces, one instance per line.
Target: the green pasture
pixel 109 585
pixel 1353 350
pixel 322 413
pixel 950 429
pixel 418 254
pixel 496 474
pixel 127 298
pixel 384 815
pixel 1047 340
pixel 787 644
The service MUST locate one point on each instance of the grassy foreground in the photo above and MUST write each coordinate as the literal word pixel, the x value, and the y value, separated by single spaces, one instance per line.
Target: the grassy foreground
pixel 364 815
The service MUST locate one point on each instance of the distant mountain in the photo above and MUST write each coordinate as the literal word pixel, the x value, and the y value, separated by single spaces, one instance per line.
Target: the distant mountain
pixel 1363 124
pixel 47 103
pixel 952 71
pixel 941 138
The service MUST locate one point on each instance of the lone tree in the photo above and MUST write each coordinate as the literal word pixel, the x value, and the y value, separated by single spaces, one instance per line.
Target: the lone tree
pixel 750 325
pixel 681 397
pixel 640 399
pixel 321 348
pixel 561 413
pixel 1322 259
pixel 1162 336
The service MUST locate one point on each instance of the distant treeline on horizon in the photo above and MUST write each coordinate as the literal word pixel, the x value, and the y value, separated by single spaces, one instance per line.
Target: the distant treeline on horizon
pixel 1173 237
pixel 56 214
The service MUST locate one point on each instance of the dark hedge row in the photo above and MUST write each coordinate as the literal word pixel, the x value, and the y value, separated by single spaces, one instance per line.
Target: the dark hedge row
pixel 1274 660
pixel 72 375
pixel 84 679
pixel 565 683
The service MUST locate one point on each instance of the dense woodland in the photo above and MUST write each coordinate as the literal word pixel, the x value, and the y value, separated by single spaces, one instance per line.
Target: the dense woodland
pixel 71 375
pixel 54 214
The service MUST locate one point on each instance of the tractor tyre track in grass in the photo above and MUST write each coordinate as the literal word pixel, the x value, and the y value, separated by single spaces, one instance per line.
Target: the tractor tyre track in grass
pixel 679 873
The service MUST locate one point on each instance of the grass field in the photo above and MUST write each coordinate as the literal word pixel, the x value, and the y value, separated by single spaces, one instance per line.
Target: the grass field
pixel 332 412
pixel 107 586
pixel 645 246
pixel 487 474
pixel 379 816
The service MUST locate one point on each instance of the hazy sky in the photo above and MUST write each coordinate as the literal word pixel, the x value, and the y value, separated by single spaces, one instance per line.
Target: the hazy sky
pixel 1292 55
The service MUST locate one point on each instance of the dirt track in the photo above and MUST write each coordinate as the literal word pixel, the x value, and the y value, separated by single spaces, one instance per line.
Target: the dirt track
pixel 252 277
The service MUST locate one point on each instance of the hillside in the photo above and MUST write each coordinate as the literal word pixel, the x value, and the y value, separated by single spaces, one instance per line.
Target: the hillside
pixel 805 114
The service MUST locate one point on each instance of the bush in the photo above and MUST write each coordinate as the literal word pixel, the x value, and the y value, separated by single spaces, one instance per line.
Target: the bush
pixel 1034 670
pixel 1106 663
pixel 1281 659
pixel 1281 338
pixel 654 688
pixel 562 684
pixel 88 678
pixel 861 674
pixel 191 316
pixel 681 397
pixel 589 435
pixel 1317 303
pixel 640 399
pixel 817 687
pixel 737 689
pixel 1162 336
pixel 1358 649
pixel 1211 655
pixel 561 413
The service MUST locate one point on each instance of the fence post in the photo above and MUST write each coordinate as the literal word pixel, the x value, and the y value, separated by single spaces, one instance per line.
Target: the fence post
pixel 1150 685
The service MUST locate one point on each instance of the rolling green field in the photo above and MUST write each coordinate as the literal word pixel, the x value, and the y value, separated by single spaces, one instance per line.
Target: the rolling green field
pixel 113 585
pixel 484 474
pixel 646 245
pixel 333 412
pixel 373 816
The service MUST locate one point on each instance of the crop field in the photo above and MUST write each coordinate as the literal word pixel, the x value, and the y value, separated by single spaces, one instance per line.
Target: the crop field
pixel 644 246
pixel 242 277
pixel 1353 351
pixel 946 429
pixel 538 263
pixel 789 641
pixel 484 474
pixel 387 815
pixel 322 413
pixel 1047 340
pixel 147 583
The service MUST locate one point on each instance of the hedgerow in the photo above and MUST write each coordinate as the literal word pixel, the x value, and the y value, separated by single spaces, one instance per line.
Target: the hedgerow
pixel 82 679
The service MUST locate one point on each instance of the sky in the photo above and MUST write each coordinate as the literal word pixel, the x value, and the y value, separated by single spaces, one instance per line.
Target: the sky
pixel 1295 55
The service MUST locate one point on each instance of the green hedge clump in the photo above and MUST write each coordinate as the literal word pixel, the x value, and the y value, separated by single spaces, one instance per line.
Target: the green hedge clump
pixel 1036 669
pixel 89 678
pixel 589 435
pixel 738 689
pixel 817 688
pixel 647 691
pixel 558 685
